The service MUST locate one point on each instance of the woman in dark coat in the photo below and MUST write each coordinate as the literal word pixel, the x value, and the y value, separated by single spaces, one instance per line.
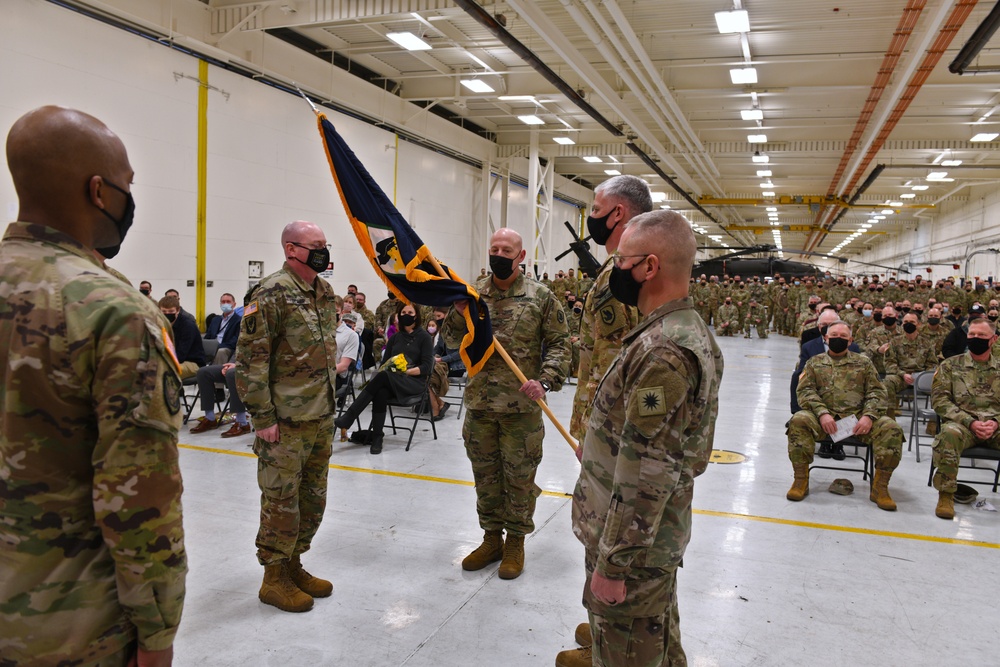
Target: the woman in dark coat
pixel 415 344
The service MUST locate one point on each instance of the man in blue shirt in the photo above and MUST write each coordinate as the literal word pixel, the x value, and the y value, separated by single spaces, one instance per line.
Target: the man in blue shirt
pixel 225 329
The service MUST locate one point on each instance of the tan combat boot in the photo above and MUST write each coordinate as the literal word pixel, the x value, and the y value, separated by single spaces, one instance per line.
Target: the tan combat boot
pixel 279 591
pixel 308 584
pixel 945 505
pixel 577 657
pixel 513 557
pixel 800 487
pixel 490 551
pixel 583 636
pixel 880 491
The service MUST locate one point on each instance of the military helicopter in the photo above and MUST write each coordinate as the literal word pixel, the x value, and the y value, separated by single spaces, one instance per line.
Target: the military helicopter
pixel 735 263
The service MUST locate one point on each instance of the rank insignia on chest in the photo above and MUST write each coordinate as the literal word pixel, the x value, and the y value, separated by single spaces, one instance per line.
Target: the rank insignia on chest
pixel 651 402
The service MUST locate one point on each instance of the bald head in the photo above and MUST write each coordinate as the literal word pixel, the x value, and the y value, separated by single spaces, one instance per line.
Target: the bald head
pixel 59 160
pixel 506 238
pixel 302 232
pixel 666 234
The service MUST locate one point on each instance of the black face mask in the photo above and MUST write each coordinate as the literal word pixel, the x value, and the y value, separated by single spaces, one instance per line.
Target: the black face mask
pixel 822 330
pixel 729 303
pixel 905 309
pixel 812 307
pixel 877 317
pixel 122 224
pixel 889 321
pixel 318 259
pixel 171 317
pixel 577 310
pixel 144 292
pixel 909 327
pixel 978 346
pixel 933 321
pixel 623 286
pixel 991 318
pixel 837 345
pixel 501 267
pixel 407 320
pixel 598 228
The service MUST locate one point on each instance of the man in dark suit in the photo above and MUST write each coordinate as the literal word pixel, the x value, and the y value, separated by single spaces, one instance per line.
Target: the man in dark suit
pixel 225 329
pixel 810 349
pixel 187 339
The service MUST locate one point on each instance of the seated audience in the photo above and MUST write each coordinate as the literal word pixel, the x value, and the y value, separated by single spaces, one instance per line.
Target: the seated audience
pixel 832 386
pixel 414 343
pixel 208 376
pixel 909 354
pixel 225 329
pixel 347 354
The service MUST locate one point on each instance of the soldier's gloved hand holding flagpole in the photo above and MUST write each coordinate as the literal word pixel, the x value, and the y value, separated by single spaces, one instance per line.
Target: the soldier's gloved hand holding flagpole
pixel 407 266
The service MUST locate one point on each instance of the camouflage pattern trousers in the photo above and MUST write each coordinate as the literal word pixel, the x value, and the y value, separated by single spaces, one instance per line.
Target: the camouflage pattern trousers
pixel 292 475
pixel 505 450
pixel 642 631
pixel 950 442
pixel 886 438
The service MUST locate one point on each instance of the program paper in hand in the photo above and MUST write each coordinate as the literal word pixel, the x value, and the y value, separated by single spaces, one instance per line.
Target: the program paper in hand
pixel 845 427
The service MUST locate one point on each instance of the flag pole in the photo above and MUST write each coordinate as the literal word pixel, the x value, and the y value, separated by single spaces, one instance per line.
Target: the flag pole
pixel 517 371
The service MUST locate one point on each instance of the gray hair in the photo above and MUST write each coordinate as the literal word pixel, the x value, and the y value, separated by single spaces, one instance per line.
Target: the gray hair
pixel 839 323
pixel 631 190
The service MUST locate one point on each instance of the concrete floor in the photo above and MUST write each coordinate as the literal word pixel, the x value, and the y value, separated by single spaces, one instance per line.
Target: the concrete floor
pixel 832 580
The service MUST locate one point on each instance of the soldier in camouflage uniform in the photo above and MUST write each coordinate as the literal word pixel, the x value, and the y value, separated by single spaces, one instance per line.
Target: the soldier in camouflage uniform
pixel 383 318
pixel 831 387
pixel 286 365
pixel 881 339
pixel 649 435
pixel 908 355
pixel 936 329
pixel 503 429
pixel 728 321
pixel 573 318
pixel 605 319
pixel 966 395
pixel 90 516
pixel 756 317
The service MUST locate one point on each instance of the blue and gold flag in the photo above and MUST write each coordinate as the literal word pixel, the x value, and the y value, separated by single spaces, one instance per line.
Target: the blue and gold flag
pixel 396 252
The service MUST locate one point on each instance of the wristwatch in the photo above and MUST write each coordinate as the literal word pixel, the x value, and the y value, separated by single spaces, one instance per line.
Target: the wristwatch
pixel 545 385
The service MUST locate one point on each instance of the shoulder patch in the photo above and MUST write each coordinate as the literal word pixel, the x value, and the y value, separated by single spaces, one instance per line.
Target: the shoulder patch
pixel 250 324
pixel 250 309
pixel 651 402
pixel 172 393
pixel 168 343
pixel 608 315
pixel 561 316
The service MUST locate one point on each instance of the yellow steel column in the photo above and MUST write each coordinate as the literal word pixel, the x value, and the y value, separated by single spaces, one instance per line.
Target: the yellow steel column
pixel 201 234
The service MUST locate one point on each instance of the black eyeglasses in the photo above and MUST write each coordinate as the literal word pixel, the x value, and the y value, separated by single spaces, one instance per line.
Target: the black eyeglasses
pixel 319 247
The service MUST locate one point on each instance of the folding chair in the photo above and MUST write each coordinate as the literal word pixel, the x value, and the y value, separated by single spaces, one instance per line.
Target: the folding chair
pixel 347 389
pixel 211 347
pixel 867 458
pixel 421 406
pixel 923 414
pixel 975 454
pixel 458 382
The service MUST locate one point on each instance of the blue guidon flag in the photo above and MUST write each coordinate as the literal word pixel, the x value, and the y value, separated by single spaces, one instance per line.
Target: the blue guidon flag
pixel 396 252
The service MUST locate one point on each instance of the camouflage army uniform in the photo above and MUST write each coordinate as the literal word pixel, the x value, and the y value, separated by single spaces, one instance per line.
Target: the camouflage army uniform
pixel 649 435
pixel 964 391
pixel 605 322
pixel 383 318
pixel 573 320
pixel 756 317
pixel 878 337
pixel 906 356
pixel 368 316
pixel 503 429
pixel 91 544
pixel 700 296
pixel 937 337
pixel 842 386
pixel 286 369
pixel 728 322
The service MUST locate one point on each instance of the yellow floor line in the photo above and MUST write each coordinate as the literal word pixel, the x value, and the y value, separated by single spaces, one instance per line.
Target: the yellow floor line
pixel 724 515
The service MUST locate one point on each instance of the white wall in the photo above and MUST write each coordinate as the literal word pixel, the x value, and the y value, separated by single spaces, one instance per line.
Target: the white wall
pixel 266 165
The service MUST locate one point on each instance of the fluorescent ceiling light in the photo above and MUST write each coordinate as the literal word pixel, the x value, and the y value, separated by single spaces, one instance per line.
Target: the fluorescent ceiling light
pixel 908 195
pixel 565 141
pixel 767 186
pixel 664 205
pixel 919 187
pixel 612 172
pixel 408 41
pixel 737 20
pixel 878 217
pixel 760 158
pixel 516 98
pixel 771 209
pixel 950 163
pixel 658 196
pixel 752 114
pixel 477 85
pixel 531 120
pixel 767 194
pixel 887 211
pixel 982 136
pixel 743 75
pixel 757 138
pixel 591 158
pixel 764 173
pixel 866 226
pixel 895 203
pixel 937 175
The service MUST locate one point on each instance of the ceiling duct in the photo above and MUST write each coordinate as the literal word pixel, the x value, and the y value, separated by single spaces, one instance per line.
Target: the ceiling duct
pixel 982 35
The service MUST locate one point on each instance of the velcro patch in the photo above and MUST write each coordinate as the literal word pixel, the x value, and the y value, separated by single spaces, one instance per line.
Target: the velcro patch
pixel 250 324
pixel 651 402
pixel 250 309
pixel 168 342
